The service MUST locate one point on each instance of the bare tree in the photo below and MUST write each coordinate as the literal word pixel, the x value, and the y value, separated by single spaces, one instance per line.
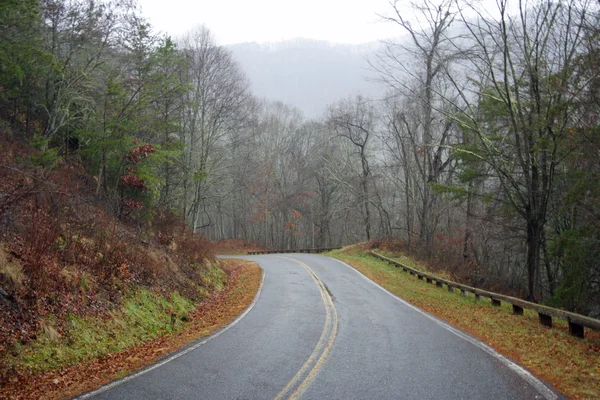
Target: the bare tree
pixel 217 106
pixel 524 108
pixel 417 71
pixel 354 120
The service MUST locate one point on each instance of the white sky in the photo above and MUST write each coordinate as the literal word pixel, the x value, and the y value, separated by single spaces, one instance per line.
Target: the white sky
pixel 236 21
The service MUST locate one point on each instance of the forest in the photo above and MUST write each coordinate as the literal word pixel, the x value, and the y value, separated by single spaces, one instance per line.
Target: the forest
pixel 481 154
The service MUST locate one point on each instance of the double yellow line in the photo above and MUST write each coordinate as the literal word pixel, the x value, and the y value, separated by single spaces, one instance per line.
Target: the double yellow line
pixel 310 369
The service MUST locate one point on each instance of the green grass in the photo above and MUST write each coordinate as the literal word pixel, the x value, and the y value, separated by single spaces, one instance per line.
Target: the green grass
pixel 568 363
pixel 142 316
pixel 214 277
pixel 95 351
pixel 401 258
pixel 399 282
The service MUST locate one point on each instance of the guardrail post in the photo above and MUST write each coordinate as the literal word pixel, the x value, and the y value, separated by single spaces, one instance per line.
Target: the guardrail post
pixel 545 320
pixel 576 330
pixel 577 323
pixel 517 310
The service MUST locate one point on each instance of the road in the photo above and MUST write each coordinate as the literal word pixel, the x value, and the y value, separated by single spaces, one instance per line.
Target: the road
pixel 321 330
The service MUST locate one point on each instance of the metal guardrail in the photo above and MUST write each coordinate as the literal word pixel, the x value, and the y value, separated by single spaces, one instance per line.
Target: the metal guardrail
pixel 318 250
pixel 577 322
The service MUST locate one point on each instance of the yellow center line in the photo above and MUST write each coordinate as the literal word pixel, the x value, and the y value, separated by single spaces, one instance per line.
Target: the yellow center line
pixel 328 335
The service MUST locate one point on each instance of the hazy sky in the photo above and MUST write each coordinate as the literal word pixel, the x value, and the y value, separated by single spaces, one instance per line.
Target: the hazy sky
pixel 236 21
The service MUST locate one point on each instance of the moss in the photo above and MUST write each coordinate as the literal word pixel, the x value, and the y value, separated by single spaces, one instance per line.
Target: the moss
pixel 143 315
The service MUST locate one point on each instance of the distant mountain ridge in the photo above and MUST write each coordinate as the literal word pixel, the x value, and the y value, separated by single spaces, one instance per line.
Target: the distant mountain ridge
pixel 308 74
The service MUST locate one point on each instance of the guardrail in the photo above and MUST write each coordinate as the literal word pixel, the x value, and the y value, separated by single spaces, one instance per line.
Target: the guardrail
pixel 319 250
pixel 577 322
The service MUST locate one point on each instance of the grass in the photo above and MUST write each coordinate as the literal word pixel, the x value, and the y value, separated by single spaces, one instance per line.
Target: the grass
pixel 571 365
pixel 213 276
pixel 11 270
pixel 94 351
pixel 143 316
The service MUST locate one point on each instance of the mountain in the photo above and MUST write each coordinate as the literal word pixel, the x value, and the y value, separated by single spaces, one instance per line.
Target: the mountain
pixel 306 73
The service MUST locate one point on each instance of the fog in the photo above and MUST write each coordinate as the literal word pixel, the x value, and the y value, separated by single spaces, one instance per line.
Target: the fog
pixel 308 74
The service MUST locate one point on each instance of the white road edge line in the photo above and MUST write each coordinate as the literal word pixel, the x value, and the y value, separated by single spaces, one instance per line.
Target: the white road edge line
pixel 177 354
pixel 544 390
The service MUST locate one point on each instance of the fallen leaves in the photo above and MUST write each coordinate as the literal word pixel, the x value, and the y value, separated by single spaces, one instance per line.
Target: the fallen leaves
pixel 236 246
pixel 211 314
pixel 570 364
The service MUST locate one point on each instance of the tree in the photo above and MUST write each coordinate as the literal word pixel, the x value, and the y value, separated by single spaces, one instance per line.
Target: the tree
pixel 22 59
pixel 79 36
pixel 217 105
pixel 523 110
pixel 166 111
pixel 354 120
pixel 417 71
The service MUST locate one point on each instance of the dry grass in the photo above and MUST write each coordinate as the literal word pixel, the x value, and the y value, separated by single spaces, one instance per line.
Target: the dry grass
pixel 571 365
pixel 11 270
pixel 236 247
pixel 209 316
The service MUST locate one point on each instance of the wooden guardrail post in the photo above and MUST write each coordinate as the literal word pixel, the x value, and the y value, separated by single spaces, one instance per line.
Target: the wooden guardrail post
pixel 517 310
pixel 545 320
pixel 281 251
pixel 577 323
pixel 576 329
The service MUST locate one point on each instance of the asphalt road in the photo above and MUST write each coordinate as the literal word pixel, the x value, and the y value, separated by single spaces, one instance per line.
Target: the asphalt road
pixel 321 330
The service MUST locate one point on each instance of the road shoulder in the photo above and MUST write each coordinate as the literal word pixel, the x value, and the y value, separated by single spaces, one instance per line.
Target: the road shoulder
pixel 569 364
pixel 211 315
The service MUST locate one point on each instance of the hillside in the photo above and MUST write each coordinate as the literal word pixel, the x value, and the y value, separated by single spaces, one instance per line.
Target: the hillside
pixel 72 274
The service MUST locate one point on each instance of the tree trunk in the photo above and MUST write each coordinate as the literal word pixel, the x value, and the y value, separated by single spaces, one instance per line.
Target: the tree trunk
pixel 534 241
pixel 367 218
pixel 427 229
pixel 468 230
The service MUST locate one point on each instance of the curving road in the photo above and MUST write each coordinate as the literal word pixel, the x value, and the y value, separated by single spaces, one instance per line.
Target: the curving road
pixel 321 330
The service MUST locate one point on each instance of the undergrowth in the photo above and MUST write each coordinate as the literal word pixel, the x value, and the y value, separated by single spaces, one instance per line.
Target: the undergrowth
pixel 68 257
pixel 144 315
pixel 146 328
